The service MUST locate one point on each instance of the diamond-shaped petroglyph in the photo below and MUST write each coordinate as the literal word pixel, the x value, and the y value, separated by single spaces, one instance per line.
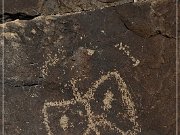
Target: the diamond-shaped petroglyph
pixel 95 121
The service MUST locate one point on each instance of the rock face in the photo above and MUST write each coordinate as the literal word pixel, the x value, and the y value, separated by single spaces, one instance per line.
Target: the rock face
pixel 47 7
pixel 109 71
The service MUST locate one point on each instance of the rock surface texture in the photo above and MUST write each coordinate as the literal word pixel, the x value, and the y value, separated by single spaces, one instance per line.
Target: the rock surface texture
pixel 109 71
pixel 47 7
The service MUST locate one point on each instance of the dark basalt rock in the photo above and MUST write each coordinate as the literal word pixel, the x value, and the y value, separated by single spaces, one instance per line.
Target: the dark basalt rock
pixel 47 7
pixel 91 73
pixel 107 1
pixel 23 9
pixel 150 18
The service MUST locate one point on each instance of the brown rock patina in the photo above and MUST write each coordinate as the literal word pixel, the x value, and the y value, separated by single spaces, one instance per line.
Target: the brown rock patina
pixel 110 71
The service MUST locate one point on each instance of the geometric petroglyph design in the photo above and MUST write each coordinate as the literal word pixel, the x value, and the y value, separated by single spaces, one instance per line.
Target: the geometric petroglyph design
pixel 94 122
pixel 125 49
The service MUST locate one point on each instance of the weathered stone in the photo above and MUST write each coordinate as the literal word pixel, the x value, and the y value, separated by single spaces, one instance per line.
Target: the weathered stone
pixel 150 18
pixel 47 7
pixel 31 7
pixel 90 73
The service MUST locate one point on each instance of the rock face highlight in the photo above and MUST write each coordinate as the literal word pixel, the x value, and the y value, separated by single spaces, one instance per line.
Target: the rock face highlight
pixel 109 71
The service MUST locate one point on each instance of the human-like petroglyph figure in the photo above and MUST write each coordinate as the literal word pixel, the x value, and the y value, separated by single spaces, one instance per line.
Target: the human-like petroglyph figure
pixel 93 120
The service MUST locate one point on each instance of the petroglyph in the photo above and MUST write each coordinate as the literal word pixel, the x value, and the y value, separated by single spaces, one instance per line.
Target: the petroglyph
pixel 107 100
pixel 125 48
pixel 64 122
pixel 51 61
pixel 54 104
pixel 90 52
pixel 95 121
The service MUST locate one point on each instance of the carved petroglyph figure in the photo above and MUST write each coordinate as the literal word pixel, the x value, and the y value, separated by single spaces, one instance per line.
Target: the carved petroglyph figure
pixel 93 120
pixel 125 49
